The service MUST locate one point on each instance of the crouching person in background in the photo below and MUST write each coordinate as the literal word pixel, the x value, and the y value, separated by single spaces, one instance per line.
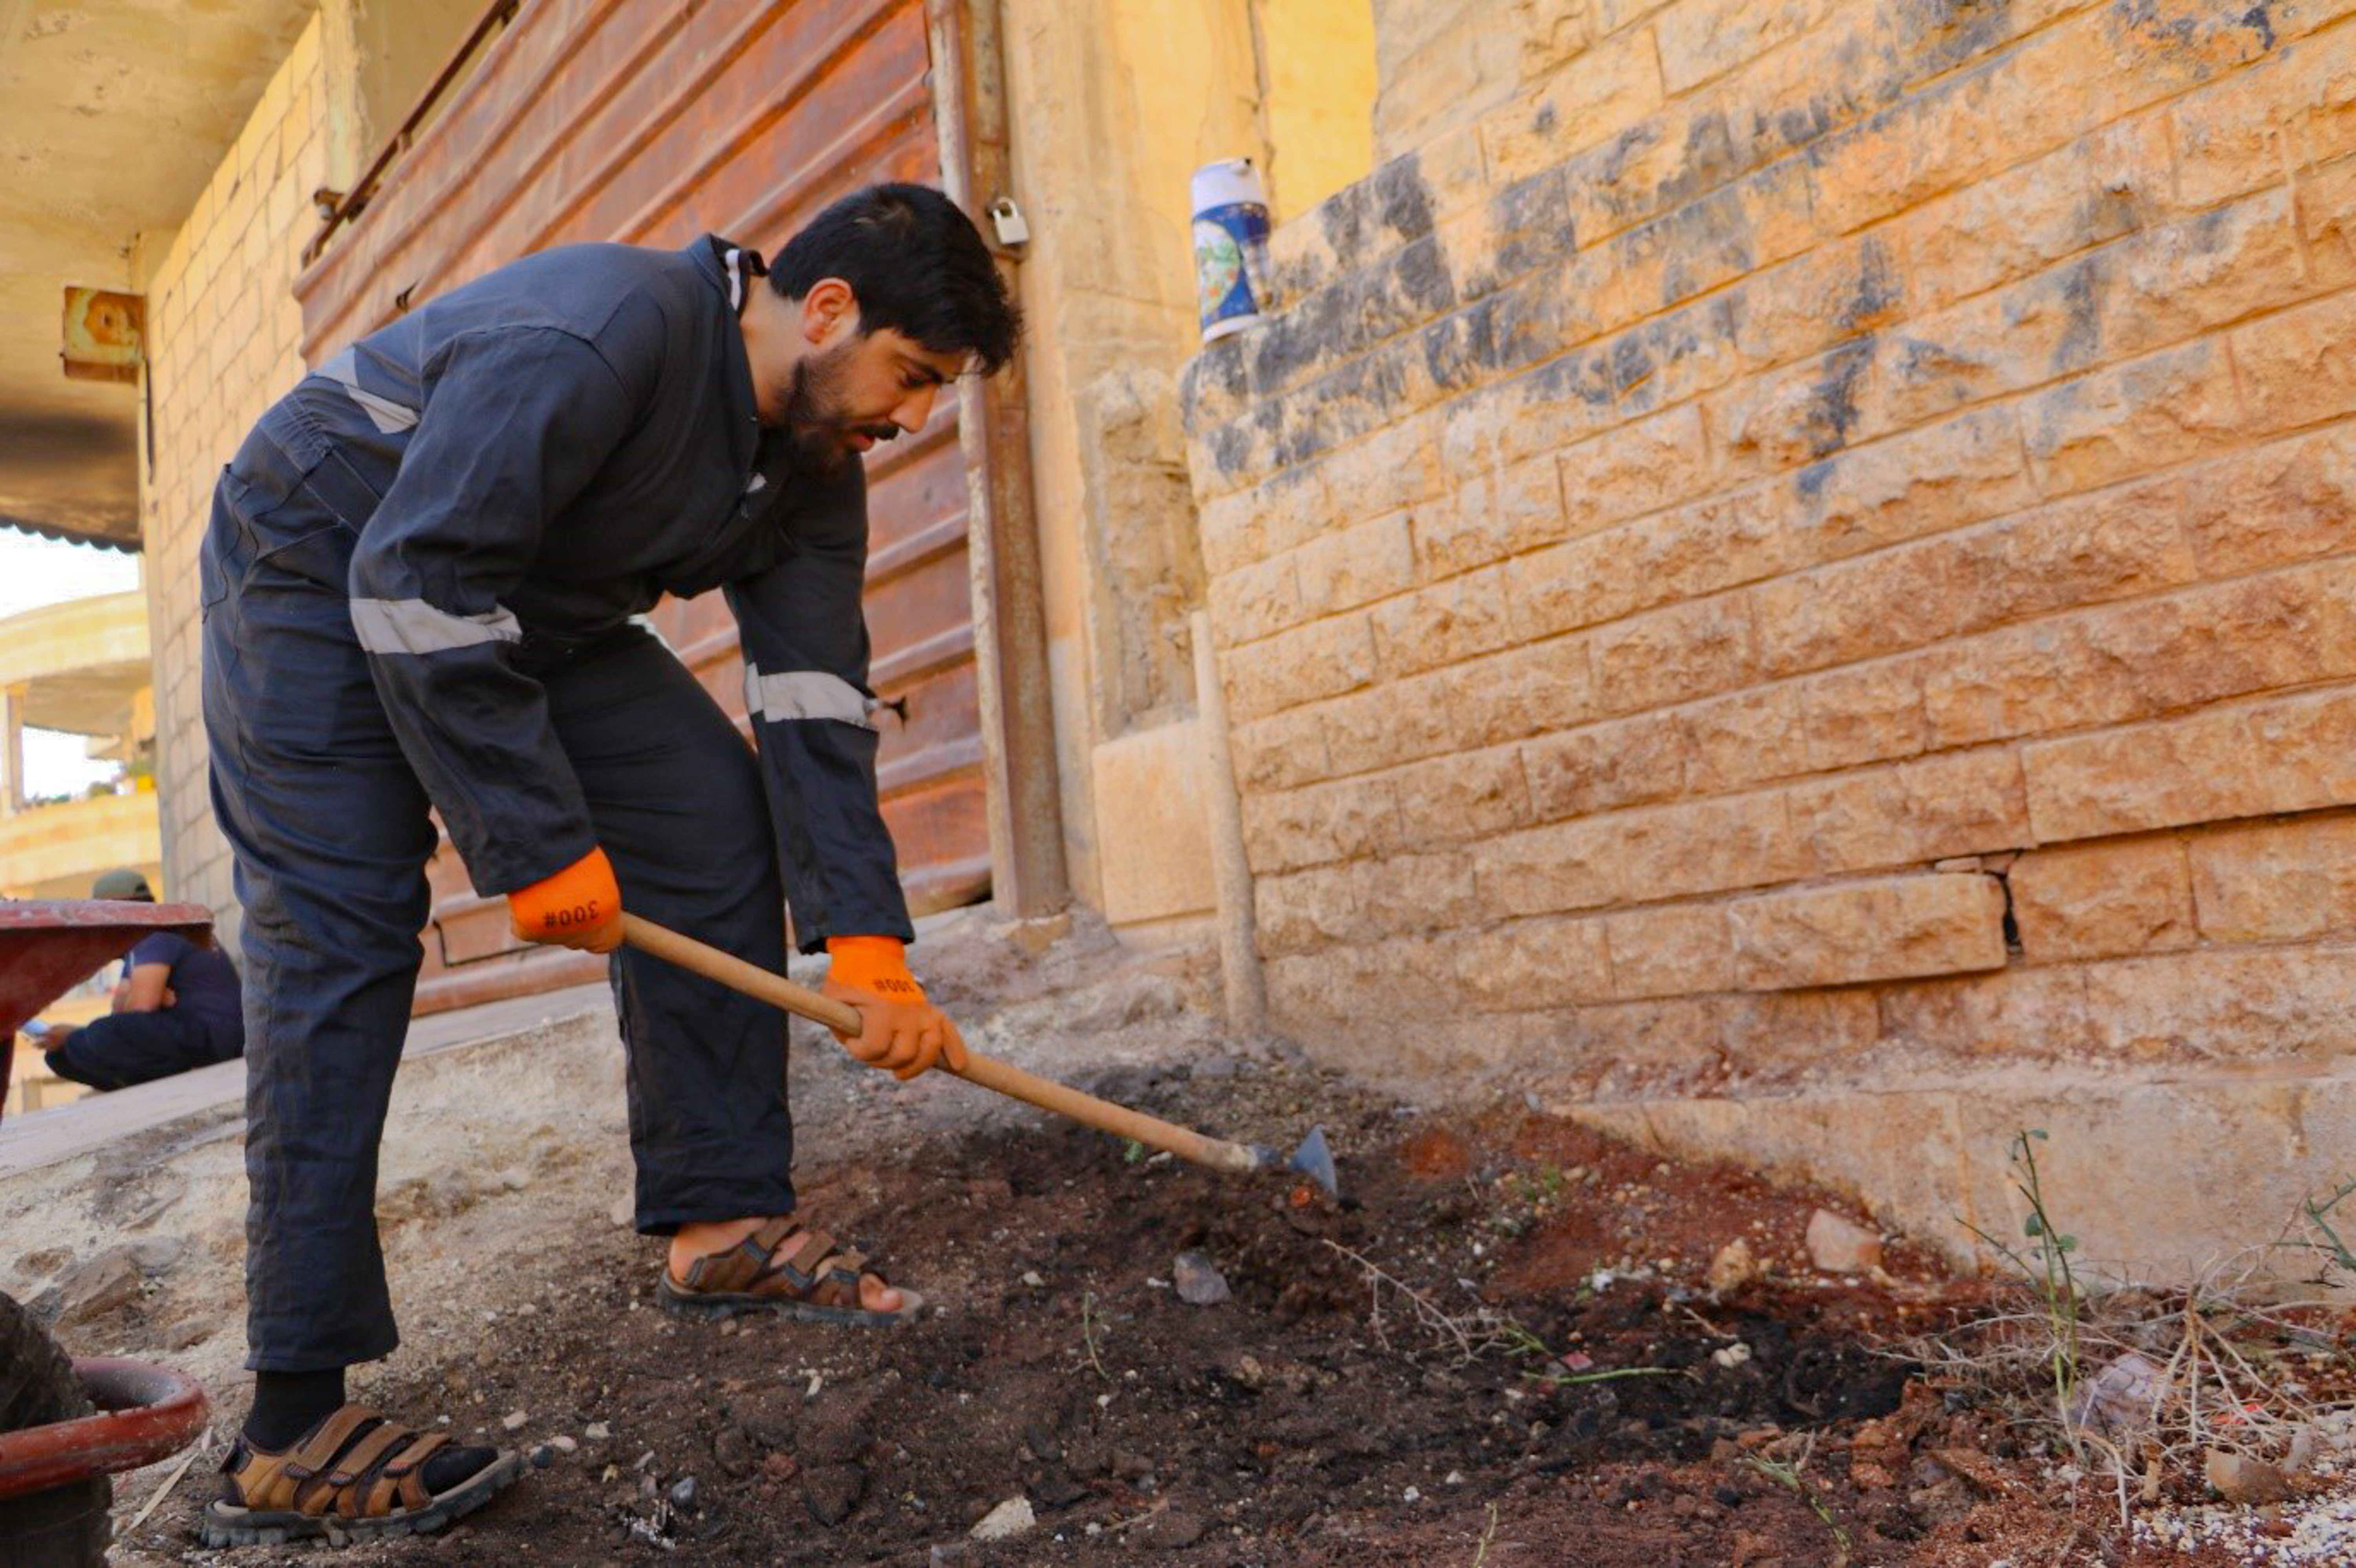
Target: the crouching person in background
pixel 175 1008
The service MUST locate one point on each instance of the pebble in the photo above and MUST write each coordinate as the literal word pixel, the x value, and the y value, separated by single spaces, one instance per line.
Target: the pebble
pixel 1732 1355
pixel 1031 1277
pixel 1841 1246
pixel 621 1213
pixel 514 1420
pixel 1055 1487
pixel 1008 1519
pixel 156 1254
pixel 682 1492
pixel 2242 1479
pixel 1734 1267
pixel 97 1288
pixel 1198 1279
pixel 1173 1530
pixel 596 1431
pixel 543 1456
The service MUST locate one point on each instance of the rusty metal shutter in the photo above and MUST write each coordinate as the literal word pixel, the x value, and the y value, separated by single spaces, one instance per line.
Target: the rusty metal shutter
pixel 650 124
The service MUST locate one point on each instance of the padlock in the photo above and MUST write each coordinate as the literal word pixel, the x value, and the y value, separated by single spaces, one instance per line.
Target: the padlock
pixel 1007 218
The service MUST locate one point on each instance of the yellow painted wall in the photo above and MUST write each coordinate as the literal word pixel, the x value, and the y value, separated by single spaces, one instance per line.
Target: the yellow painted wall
pixel 1110 121
pixel 1318 59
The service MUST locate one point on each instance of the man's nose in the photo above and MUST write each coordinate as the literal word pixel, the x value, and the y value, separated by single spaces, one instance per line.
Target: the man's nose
pixel 914 409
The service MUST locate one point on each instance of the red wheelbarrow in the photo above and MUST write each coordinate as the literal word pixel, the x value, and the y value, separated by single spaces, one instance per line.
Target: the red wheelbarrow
pixel 55 1452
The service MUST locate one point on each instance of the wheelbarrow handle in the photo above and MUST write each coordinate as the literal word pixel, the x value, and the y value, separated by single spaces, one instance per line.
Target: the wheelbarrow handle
pixel 760 984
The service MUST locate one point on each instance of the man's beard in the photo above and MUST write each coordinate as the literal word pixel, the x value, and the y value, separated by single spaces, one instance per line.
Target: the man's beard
pixel 814 418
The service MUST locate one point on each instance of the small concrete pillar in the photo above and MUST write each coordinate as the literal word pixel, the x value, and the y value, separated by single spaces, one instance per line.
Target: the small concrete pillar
pixel 12 748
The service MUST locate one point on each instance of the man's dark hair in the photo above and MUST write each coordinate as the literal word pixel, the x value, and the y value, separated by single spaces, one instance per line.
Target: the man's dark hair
pixel 916 265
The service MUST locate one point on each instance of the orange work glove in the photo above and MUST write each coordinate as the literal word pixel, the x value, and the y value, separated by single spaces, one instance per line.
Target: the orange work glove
pixel 903 1033
pixel 581 906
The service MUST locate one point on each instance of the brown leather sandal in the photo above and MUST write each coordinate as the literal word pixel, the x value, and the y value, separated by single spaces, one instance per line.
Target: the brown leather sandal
pixel 750 1277
pixel 354 1476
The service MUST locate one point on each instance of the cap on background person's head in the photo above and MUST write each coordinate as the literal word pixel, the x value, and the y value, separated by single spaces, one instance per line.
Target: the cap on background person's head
pixel 123 884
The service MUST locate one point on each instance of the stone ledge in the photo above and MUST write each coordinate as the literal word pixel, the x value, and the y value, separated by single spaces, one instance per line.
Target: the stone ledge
pixel 2155 1177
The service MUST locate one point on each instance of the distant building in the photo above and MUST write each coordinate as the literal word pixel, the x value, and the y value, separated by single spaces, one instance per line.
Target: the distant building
pixel 80 666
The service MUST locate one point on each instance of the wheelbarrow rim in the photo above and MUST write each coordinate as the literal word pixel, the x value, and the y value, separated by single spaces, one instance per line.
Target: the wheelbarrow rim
pixel 146 1413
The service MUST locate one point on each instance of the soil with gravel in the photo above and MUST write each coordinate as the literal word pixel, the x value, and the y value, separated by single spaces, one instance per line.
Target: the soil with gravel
pixel 1499 1348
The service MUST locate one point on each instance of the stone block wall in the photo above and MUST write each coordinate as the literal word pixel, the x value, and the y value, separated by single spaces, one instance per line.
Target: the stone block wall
pixel 1811 538
pixel 223 331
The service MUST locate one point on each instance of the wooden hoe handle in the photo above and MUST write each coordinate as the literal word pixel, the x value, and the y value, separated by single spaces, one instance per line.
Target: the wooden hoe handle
pixel 761 985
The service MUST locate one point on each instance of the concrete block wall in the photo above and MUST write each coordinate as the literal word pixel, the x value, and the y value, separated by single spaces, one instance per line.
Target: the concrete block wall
pixel 222 336
pixel 1809 543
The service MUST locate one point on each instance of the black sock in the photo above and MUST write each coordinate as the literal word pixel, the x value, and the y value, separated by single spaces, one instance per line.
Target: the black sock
pixel 288 1404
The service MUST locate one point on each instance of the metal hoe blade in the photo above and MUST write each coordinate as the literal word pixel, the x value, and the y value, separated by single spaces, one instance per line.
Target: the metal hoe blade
pixel 1314 1159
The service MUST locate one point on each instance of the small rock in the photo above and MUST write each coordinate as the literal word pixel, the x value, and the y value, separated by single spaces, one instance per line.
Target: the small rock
pixel 2242 1479
pixel 831 1491
pixel 562 1444
pixel 780 1467
pixel 43 1260
pixel 514 1420
pixel 1172 1530
pixel 1031 1277
pixel 1199 1281
pixel 1057 1489
pixel 622 1212
pixel 1731 1356
pixel 542 1456
pixel 2119 1398
pixel 515 1179
pixel 733 1451
pixel 767 1420
pixel 155 1255
pixel 1840 1246
pixel 1129 1464
pixel 1008 1519
pixel 1733 1267
pixel 1974 1468
pixel 836 1433
pixel 682 1492
pixel 955 1552
pixel 105 1283
pixel 596 1431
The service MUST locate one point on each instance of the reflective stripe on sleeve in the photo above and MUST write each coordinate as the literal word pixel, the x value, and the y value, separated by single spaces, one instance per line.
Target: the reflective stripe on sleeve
pixel 807 694
pixel 383 412
pixel 413 626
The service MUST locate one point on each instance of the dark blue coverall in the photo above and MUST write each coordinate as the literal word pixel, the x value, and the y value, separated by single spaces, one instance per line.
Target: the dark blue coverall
pixel 419 587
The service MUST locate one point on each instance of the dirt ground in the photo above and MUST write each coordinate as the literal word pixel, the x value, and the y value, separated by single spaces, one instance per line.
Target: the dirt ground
pixel 1499 1348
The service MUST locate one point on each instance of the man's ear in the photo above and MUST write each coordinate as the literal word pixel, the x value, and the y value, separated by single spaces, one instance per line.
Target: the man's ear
pixel 826 307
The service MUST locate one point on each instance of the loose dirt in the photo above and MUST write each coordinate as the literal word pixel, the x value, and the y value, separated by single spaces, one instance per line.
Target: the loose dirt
pixel 1498 1349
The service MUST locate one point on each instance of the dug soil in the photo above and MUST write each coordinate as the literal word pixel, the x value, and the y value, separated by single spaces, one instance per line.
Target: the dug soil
pixel 1500 1347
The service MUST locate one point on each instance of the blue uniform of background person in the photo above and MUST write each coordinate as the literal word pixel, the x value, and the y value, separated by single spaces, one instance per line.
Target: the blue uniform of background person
pixel 419 587
pixel 191 1019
